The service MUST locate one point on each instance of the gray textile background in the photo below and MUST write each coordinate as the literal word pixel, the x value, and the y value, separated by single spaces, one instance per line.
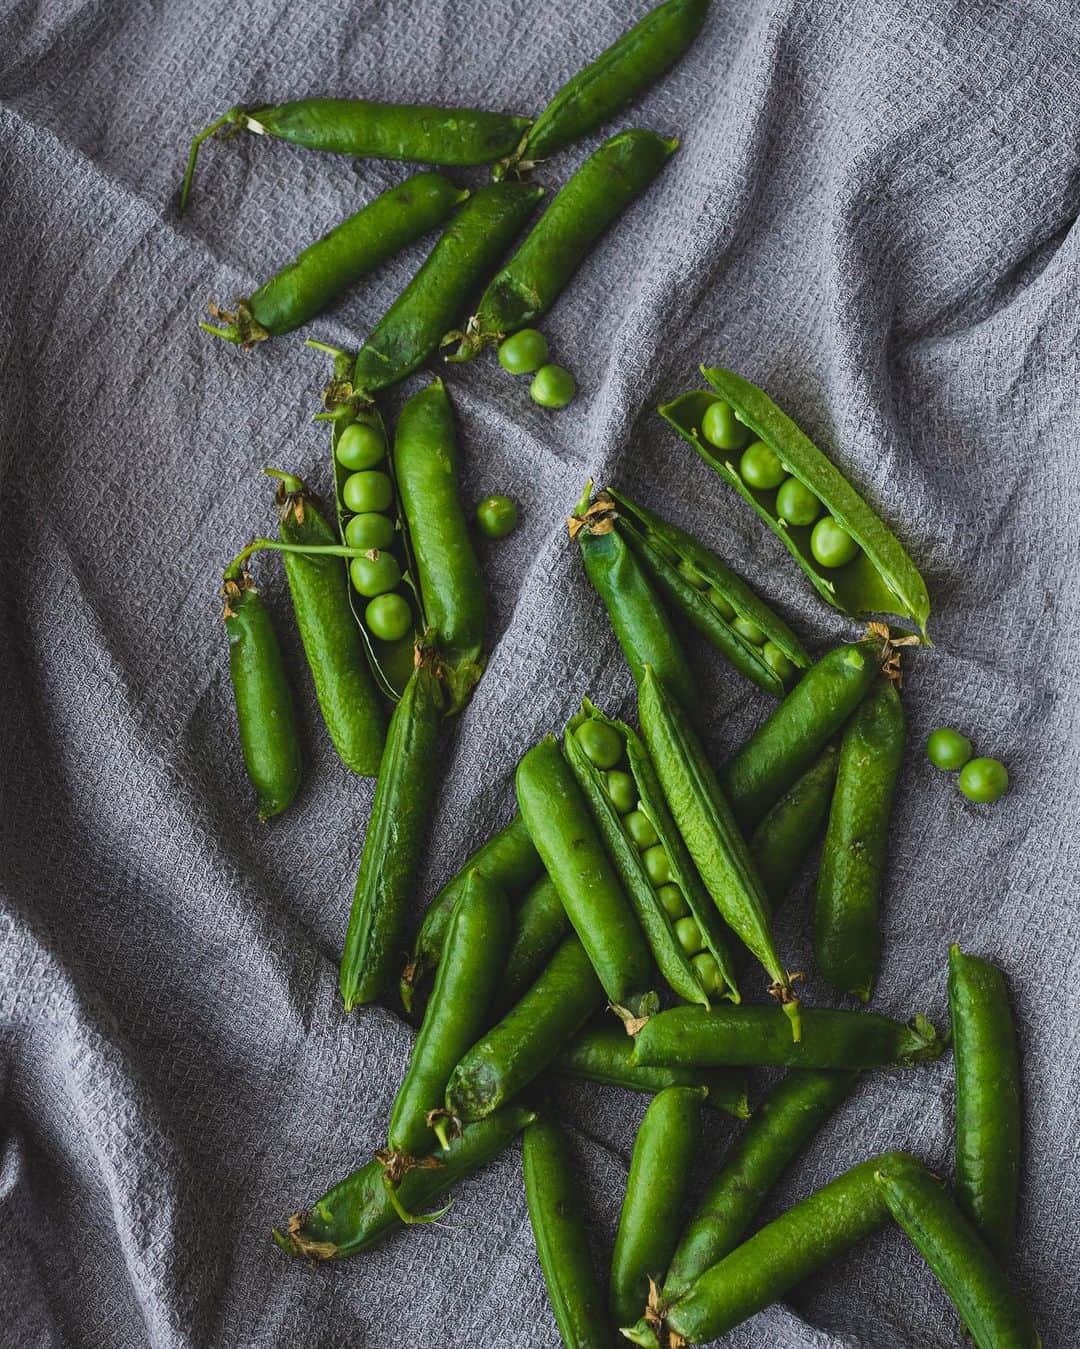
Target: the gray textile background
pixel 872 214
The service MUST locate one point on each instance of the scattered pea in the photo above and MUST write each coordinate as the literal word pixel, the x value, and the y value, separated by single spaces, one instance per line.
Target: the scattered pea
pixel 831 544
pixel 984 780
pixel 948 749
pixel 796 504
pixel 745 627
pixel 523 352
pixel 760 467
pixel 640 829
pixel 553 386
pixel 370 530
pixel 388 617
pixel 721 605
pixel 708 971
pixel 360 446
pixel 496 516
pixel 370 491
pixel 601 743
pixel 720 427
pixel 777 661
pixel 622 789
pixel 673 900
pixel 688 934
pixel 657 865
pixel 375 575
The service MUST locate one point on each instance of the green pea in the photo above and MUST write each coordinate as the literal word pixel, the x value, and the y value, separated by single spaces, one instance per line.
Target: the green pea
pixel 690 573
pixel 389 617
pixel 673 900
pixel 622 789
pixel 552 387
pixel 496 516
pixel 948 749
pixel 370 491
pixel 760 467
pixel 720 427
pixel 640 829
pixel 747 628
pixel 708 971
pixel 831 544
pixel 720 604
pixel 688 935
pixel 657 864
pixel 375 575
pixel 984 780
pixel 796 504
pixel 777 661
pixel 524 352
pixel 601 743
pixel 361 446
pixel 370 530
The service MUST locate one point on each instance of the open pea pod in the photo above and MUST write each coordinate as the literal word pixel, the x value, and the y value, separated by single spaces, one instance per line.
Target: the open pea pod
pixel 680 922
pixel 881 577
pixel 712 598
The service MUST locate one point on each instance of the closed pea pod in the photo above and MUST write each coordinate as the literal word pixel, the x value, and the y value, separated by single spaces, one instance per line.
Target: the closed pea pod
pixel 539 925
pixel 781 842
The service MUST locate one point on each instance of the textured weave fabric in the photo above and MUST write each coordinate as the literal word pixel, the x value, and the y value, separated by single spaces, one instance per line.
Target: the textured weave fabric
pixel 871 215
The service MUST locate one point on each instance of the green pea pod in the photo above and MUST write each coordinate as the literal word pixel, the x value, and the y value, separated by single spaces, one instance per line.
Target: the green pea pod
pixel 758 1037
pixel 336 656
pixel 881 578
pixel 604 1053
pixel 477 938
pixel 395 838
pixel 358 1212
pixel 674 963
pixel 638 618
pixel 783 747
pixel 516 1050
pixel 447 572
pixel 988 1110
pixel 539 925
pixel 615 79
pixel 959 1259
pixel 712 837
pixel 319 274
pixel 467 253
pixel 660 1170
pixel 847 938
pixel 593 198
pixel 713 600
pixel 553 1195
pixel 776 1259
pixel 354 126
pixel 265 713
pixel 782 841
pixel 558 819
pixel 781 1127
pixel 508 859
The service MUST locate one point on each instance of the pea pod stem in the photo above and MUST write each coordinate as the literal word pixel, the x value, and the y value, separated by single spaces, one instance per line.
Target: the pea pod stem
pixel 227 119
pixel 236 566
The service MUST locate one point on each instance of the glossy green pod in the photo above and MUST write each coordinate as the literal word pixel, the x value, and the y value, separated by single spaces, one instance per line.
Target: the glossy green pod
pixel 539 925
pixel 783 839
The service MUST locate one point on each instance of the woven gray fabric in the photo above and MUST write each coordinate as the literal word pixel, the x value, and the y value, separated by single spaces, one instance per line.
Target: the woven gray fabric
pixel 871 214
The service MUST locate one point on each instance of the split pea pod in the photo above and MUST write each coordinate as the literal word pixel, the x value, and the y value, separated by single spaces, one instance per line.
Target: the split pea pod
pixel 354 126
pixel 319 274
pixel 849 554
pixel 553 1196
pixel 680 922
pixel 539 925
pixel 847 937
pixel 561 827
pixel 712 837
pixel 959 1259
pixel 781 842
pixel 988 1112
pixel 719 605
pixel 759 1037
pixel 776 1259
pixel 656 1190
pixel 358 1212
pixel 588 203
pixel 396 831
pixel 265 713
pixel 781 1127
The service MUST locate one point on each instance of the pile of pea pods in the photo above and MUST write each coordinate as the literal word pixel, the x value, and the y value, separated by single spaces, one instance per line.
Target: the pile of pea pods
pixel 602 932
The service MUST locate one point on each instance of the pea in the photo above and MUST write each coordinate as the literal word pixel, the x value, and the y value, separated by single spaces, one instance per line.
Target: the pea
pixel 720 427
pixel 688 934
pixel 690 573
pixel 552 387
pixel 601 743
pixel 657 865
pixel 361 446
pixel 983 780
pixel 760 467
pixel 371 491
pixel 496 516
pixel 388 617
pixel 673 900
pixel 375 575
pixel 831 544
pixel 747 628
pixel 777 661
pixel 621 789
pixel 640 829
pixel 796 504
pixel 720 604
pixel 370 530
pixel 523 352
pixel 708 971
pixel 948 749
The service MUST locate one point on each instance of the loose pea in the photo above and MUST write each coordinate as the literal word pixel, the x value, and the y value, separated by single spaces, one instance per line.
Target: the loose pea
pixel 657 865
pixel 690 573
pixel 640 829
pixel 777 661
pixel 524 352
pixel 831 544
pixel 389 617
pixel 361 446
pixel 983 780
pixel 673 900
pixel 796 504
pixel 720 428
pixel 370 530
pixel 760 467
pixel 552 386
pixel 948 749
pixel 370 491
pixel 622 789
pixel 688 934
pixel 497 516
pixel 708 971
pixel 720 604
pixel 375 575
pixel 601 743
pixel 745 627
